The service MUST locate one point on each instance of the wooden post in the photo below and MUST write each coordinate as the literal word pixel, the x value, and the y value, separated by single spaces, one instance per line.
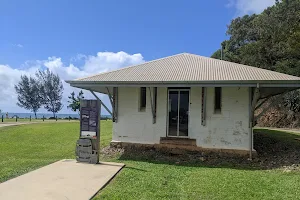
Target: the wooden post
pixel 203 106
pixel 101 103
pixel 153 103
pixel 115 105
pixel 109 96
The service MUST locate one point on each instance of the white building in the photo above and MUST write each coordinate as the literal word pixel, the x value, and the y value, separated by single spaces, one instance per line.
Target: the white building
pixel 187 101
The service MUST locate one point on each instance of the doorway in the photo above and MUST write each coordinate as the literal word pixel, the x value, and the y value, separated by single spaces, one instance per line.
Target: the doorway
pixel 178 112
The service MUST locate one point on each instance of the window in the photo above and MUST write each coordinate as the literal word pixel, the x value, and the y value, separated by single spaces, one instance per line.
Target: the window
pixel 218 97
pixel 142 98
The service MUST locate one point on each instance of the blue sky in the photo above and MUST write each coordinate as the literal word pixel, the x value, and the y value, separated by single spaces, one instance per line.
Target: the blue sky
pixel 76 38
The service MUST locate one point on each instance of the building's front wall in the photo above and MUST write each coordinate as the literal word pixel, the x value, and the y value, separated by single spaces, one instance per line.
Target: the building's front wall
pixel 136 126
pixel 227 130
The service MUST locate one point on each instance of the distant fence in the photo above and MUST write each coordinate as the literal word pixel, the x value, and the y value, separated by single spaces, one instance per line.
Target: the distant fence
pixel 15 118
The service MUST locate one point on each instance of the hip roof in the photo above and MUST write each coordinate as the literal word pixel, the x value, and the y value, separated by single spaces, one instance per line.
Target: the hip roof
pixel 190 68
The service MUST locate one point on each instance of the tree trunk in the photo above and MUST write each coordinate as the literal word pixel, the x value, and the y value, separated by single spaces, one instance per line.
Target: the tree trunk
pixel 54 114
pixel 35 115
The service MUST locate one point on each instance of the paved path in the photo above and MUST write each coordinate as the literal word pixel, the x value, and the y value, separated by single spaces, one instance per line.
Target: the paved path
pixel 65 179
pixel 282 129
pixel 14 123
pixel 3 124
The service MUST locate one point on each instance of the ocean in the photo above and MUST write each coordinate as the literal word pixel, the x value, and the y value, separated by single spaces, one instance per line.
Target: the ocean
pixel 46 115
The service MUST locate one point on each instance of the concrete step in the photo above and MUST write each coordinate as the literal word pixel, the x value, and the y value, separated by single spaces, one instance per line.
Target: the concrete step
pixel 178 141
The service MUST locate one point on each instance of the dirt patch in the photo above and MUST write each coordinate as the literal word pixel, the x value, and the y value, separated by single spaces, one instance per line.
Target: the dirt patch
pixel 271 154
pixel 278 117
pixel 277 153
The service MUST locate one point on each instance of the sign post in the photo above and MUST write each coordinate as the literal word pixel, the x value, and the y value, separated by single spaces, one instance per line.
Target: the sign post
pixel 87 148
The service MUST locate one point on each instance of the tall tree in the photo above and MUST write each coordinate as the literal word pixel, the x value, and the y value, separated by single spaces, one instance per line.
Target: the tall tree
pixel 52 90
pixel 270 40
pixel 74 102
pixel 29 94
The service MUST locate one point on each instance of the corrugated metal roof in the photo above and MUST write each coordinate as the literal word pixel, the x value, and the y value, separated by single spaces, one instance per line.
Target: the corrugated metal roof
pixel 188 67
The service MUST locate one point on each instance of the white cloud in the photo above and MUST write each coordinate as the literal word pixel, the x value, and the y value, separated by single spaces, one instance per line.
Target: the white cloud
pixel 106 61
pixel 101 62
pixel 18 45
pixel 250 6
pixel 8 78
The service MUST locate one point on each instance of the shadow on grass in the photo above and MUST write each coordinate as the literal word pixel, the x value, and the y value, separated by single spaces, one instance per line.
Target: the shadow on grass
pixel 275 149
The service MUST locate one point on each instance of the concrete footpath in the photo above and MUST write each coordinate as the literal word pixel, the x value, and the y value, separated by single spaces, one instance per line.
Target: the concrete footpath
pixel 15 123
pixel 65 179
pixel 3 124
pixel 281 129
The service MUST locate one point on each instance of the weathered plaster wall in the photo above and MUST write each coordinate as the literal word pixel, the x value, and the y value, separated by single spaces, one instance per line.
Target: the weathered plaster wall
pixel 135 126
pixel 227 130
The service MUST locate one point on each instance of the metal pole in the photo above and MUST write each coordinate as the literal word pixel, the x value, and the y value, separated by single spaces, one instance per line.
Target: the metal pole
pixel 221 52
pixel 178 114
pixel 253 97
pixel 250 122
pixel 251 141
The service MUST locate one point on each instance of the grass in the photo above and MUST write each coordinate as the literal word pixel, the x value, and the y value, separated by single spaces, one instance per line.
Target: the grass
pixel 27 147
pixel 142 180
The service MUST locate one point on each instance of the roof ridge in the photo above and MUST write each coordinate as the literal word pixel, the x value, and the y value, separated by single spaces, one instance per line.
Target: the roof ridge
pixel 131 66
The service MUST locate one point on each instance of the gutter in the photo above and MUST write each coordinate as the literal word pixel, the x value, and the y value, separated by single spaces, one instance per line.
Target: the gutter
pixel 292 83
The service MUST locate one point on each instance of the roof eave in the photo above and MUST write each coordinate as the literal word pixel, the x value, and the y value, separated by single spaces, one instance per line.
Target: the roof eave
pixel 224 83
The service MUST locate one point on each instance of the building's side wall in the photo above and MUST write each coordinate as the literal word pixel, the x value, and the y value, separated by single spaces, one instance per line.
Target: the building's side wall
pixel 228 130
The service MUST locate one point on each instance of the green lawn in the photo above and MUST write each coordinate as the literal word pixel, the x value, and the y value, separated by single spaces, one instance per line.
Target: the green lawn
pixel 25 148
